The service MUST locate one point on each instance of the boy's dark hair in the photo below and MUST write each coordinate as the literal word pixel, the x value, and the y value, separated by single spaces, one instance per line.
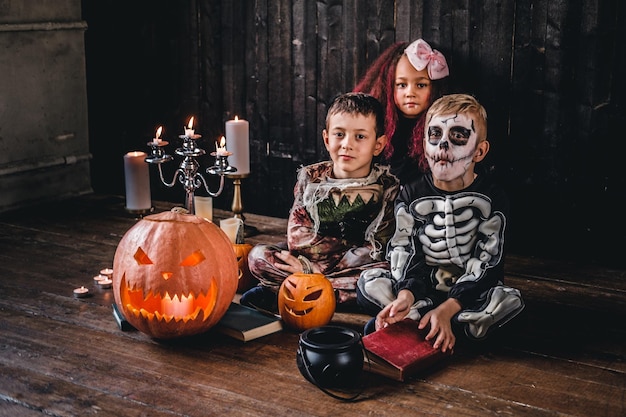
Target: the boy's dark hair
pixel 358 103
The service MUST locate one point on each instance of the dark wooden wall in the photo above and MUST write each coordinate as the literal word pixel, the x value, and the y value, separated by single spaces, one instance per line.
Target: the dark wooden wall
pixel 550 74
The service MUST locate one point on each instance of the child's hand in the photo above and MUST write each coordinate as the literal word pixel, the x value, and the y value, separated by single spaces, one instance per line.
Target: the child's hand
pixel 440 321
pixel 395 311
pixel 291 264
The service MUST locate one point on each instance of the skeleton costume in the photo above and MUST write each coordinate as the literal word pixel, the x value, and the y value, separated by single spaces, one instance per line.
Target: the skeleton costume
pixel 448 244
pixel 340 225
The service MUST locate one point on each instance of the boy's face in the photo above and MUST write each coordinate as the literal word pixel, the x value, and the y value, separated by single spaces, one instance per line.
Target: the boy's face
pixel 412 89
pixel 451 148
pixel 351 142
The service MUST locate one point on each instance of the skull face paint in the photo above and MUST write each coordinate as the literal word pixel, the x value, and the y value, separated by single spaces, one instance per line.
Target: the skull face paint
pixel 450 144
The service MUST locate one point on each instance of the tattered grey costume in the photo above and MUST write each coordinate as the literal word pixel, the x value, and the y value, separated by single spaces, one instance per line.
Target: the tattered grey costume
pixel 340 226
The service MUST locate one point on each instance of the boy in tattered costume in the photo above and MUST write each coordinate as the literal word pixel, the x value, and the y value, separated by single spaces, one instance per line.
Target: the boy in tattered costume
pixel 342 215
pixel 447 252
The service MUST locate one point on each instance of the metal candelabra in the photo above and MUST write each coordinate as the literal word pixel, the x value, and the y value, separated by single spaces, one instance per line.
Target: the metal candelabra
pixel 187 173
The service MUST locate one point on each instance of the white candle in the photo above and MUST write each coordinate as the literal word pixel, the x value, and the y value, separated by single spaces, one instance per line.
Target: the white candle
pixel 99 278
pixel 203 207
pixel 107 272
pixel 238 138
pixel 105 283
pixel 189 130
pixel 157 136
pixel 231 227
pixel 137 181
pixel 220 148
pixel 81 292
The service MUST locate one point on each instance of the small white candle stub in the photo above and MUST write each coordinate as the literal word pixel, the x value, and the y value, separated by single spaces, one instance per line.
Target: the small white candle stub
pixel 203 206
pixel 157 136
pixel 107 272
pixel 189 130
pixel 105 283
pixel 220 148
pixel 99 278
pixel 81 292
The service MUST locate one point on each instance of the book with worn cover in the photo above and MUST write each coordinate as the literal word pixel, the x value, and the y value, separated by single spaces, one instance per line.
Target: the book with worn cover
pixel 245 323
pixel 120 319
pixel 399 350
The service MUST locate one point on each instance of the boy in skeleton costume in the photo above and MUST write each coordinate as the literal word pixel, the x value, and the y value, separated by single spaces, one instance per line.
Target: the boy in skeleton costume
pixel 342 215
pixel 447 252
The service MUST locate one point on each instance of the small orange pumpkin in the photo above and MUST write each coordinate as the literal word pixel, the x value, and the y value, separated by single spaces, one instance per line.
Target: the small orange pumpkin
pixel 306 300
pixel 246 280
pixel 174 275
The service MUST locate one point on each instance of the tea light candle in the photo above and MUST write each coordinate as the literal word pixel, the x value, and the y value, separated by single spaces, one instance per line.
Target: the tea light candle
pixel 81 292
pixel 99 278
pixel 107 272
pixel 189 130
pixel 105 283
pixel 238 137
pixel 137 181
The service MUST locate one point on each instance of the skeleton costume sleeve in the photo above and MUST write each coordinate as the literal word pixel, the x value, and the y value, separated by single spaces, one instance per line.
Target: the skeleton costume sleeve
pixel 332 216
pixel 450 242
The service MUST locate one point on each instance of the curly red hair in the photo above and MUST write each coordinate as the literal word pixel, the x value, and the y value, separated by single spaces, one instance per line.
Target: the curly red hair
pixel 379 81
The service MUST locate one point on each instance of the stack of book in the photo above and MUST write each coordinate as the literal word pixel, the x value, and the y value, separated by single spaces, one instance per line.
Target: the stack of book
pixel 240 322
pixel 245 323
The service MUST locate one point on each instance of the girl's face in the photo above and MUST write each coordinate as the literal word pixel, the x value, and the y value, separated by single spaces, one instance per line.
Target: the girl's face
pixel 412 89
pixel 351 142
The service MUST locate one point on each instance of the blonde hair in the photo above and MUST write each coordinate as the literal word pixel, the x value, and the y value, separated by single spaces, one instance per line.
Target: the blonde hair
pixel 461 104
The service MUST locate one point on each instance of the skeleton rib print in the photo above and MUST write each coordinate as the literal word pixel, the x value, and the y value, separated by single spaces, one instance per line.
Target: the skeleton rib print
pixel 450 226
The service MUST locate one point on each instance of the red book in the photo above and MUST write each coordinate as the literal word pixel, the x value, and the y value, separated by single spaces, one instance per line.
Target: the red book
pixel 399 350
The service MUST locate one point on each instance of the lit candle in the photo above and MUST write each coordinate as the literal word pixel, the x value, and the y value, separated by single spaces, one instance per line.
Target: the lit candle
pixel 137 181
pixel 107 272
pixel 238 136
pixel 105 283
pixel 157 136
pixel 81 292
pixel 99 278
pixel 189 130
pixel 220 149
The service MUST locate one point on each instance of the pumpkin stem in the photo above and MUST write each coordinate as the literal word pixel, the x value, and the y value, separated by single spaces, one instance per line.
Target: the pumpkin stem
pixel 306 265
pixel 180 210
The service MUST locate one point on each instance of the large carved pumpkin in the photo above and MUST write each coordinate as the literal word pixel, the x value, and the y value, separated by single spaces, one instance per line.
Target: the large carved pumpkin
pixel 174 275
pixel 306 301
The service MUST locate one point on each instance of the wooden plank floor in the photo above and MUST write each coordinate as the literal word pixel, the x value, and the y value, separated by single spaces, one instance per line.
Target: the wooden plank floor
pixel 61 356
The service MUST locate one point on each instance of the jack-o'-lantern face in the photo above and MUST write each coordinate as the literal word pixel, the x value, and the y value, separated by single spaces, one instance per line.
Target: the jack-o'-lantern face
pixel 306 301
pixel 174 275
pixel 246 280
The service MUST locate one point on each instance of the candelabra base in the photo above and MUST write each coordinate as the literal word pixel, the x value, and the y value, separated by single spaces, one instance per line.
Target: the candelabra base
pixel 237 205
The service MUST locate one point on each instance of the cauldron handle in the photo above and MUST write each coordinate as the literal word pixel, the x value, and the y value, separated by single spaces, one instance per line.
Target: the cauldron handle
pixel 324 390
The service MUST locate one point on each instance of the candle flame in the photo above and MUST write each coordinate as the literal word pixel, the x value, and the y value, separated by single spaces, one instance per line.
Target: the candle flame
pixel 236 118
pixel 158 132
pixel 190 124
pixel 221 147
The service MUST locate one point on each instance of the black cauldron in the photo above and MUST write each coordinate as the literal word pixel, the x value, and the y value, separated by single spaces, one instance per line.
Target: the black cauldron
pixel 330 356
